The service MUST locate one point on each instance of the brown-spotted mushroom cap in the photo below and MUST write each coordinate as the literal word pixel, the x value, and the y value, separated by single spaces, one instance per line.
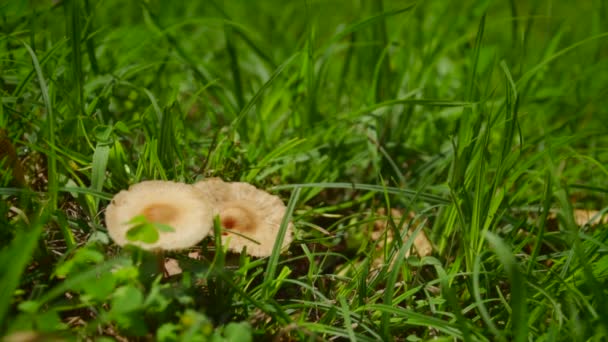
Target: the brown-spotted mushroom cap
pixel 178 205
pixel 250 212
pixel 216 190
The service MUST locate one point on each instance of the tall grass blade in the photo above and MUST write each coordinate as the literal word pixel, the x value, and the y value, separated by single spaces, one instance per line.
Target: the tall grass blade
pixel 90 42
pixel 52 175
pixel 470 120
pixel 347 320
pixel 541 223
pixel 310 64
pixel 413 318
pixel 533 71
pixel 382 76
pixel 73 9
pixel 452 300
pixel 273 261
pixel 396 270
pixel 14 259
pixel 100 162
pixel 481 308
pixel 234 65
pixel 360 25
pixel 370 187
pixel 519 311
pixel 167 142
pixel 591 282
pixel 245 110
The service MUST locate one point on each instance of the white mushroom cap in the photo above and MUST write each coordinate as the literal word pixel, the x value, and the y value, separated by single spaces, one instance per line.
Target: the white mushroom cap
pixel 215 189
pixel 250 212
pixel 178 205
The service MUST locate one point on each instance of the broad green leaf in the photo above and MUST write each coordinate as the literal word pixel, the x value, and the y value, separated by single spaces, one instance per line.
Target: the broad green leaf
pixel 143 232
pixel 238 332
pixel 102 287
pixel 163 227
pixel 127 299
pixel 83 257
pixel 167 333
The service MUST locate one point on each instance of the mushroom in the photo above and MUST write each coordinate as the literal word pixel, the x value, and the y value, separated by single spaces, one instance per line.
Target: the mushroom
pixel 180 206
pixel 250 217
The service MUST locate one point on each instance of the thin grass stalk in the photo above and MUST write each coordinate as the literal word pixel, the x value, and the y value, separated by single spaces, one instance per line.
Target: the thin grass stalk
pixel 382 80
pixel 90 41
pixel 234 65
pixel 481 308
pixel 397 260
pixel 15 258
pixel 271 268
pixel 370 187
pixel 519 313
pixel 52 175
pixel 74 29
pixel 311 96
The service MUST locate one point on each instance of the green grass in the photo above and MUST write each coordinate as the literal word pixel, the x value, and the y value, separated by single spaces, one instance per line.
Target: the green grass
pixel 488 121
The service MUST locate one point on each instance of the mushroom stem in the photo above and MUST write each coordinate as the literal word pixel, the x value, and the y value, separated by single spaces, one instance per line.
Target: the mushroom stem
pixel 160 259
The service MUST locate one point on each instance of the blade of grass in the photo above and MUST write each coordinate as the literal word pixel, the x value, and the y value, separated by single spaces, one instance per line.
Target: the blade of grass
pixel 243 32
pixel 85 191
pixel 245 110
pixel 413 318
pixel 382 78
pixel 234 65
pixel 398 260
pixel 533 71
pixel 592 283
pixel 190 61
pixel 369 187
pixel 470 121
pixel 14 259
pixel 480 200
pixel 100 162
pixel 511 112
pixel 329 331
pixel 271 268
pixel 519 313
pixel 541 223
pixel 379 86
pixel 410 101
pixel 451 298
pixel 359 25
pixel 167 142
pixel 74 28
pixel 90 43
pixel 52 175
pixel 272 155
pixel 483 311
pixel 45 58
pixel 309 68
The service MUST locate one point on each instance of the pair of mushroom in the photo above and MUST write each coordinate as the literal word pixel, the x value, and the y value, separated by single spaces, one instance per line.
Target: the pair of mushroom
pixel 249 217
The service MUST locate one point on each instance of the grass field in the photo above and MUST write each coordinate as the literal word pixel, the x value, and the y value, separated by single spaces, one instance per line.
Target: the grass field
pixel 481 124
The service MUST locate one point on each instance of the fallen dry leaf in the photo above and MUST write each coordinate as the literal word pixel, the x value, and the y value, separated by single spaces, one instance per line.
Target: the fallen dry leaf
pixel 383 235
pixel 172 267
pixel 582 217
pixel 422 245
pixel 590 217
